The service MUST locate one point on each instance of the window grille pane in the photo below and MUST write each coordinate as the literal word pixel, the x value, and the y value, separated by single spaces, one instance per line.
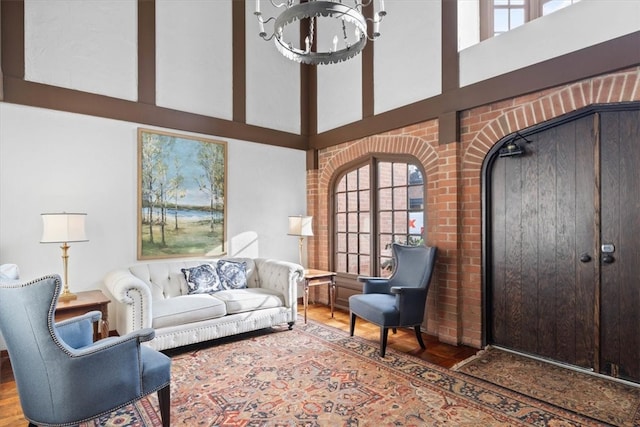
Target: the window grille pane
pixel 352 201
pixel 400 198
pixel 352 243
pixel 400 224
pixel 364 178
pixel 416 223
pixel 415 176
pixel 386 222
pixel 341 262
pixel 353 264
pixel 501 20
pixel 352 224
pixel 385 245
pixel 416 197
pixel 341 222
pixel 399 174
pixel 385 200
pixel 517 18
pixel 365 244
pixel 365 223
pixel 341 202
pixel 384 174
pixel 352 180
pixel 365 201
pixel 365 265
pixel 342 185
pixel 341 242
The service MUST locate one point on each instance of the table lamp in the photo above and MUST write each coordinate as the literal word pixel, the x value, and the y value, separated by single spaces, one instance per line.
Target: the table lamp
pixel 64 228
pixel 300 226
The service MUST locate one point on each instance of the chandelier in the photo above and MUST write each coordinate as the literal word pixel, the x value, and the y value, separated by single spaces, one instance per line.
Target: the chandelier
pixel 344 25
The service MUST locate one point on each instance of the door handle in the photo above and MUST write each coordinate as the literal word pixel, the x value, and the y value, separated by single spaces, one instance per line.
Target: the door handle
pixel 585 257
pixel 607 249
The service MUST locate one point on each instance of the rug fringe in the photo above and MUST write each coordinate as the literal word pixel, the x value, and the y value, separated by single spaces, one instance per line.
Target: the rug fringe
pixel 470 359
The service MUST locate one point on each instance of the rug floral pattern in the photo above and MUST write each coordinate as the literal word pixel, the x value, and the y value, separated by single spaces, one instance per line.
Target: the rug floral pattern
pixel 316 375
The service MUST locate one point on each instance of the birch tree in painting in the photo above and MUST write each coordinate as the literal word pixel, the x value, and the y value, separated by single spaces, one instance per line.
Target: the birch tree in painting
pixel 211 181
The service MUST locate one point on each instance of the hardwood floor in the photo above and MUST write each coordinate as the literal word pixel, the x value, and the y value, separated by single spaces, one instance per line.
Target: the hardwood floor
pixel 404 340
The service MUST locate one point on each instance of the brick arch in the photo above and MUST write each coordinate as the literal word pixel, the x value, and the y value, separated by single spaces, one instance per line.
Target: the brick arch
pixel 388 144
pixel 527 111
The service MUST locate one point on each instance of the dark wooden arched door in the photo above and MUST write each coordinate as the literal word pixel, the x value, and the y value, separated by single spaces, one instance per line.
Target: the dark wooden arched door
pixel 563 244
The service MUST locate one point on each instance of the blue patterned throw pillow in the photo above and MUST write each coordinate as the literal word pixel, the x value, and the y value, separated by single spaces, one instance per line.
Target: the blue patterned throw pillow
pixel 202 279
pixel 233 275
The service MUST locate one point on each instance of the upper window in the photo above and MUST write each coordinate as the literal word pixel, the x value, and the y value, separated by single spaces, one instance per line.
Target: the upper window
pixel 375 204
pixel 500 16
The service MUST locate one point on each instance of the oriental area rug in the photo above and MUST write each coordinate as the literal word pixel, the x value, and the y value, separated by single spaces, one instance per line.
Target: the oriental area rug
pixel 612 402
pixel 316 375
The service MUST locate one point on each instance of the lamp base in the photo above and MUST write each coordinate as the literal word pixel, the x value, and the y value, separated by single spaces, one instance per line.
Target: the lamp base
pixel 67 295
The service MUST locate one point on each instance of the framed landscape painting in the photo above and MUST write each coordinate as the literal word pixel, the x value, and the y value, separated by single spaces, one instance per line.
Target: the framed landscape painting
pixel 181 195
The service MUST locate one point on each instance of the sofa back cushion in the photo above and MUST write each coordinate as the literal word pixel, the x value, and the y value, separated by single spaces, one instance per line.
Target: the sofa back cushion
pixel 166 280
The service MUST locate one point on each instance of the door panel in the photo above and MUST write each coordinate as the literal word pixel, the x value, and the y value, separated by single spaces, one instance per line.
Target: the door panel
pixel 620 281
pixel 541 295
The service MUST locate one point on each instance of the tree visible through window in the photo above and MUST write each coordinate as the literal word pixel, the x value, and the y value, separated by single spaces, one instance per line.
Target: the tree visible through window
pixel 500 16
pixel 375 204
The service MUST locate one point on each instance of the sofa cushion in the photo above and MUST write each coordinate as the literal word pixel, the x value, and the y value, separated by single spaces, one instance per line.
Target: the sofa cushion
pixel 186 309
pixel 202 279
pixel 249 299
pixel 233 275
pixel 9 272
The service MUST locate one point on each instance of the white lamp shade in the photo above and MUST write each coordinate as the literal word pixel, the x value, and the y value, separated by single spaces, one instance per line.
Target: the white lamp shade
pixel 63 227
pixel 300 226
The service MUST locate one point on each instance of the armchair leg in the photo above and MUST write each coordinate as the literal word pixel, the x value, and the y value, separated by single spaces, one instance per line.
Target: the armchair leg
pixel 352 324
pixel 419 337
pixel 164 401
pixel 384 333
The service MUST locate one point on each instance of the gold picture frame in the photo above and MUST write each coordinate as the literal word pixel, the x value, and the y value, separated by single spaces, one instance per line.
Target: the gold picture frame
pixel 182 209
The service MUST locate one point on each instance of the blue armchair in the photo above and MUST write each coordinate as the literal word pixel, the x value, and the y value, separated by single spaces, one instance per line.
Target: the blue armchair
pixel 397 301
pixel 62 376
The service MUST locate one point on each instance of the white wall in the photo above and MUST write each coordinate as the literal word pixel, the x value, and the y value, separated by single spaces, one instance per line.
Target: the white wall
pixel 408 55
pixel 55 161
pixel 273 82
pixel 192 66
pixel 578 26
pixel 86 45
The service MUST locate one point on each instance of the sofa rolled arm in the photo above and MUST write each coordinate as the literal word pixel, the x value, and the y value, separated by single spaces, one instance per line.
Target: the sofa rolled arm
pixel 132 299
pixel 280 276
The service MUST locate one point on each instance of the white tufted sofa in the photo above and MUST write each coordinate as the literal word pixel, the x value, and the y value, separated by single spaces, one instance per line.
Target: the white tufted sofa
pixel 154 295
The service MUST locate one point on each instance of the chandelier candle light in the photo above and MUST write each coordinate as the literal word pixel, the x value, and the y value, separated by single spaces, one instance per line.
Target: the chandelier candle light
pixel 64 228
pixel 300 226
pixel 346 28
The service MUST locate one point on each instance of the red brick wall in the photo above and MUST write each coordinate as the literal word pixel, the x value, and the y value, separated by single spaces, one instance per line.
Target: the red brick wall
pixel 453 179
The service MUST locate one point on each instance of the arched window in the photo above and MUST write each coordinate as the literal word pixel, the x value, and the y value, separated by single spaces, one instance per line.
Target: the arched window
pixel 376 203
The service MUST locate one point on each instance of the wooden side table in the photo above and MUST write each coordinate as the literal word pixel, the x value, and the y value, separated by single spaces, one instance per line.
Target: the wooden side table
pixel 87 301
pixel 315 278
